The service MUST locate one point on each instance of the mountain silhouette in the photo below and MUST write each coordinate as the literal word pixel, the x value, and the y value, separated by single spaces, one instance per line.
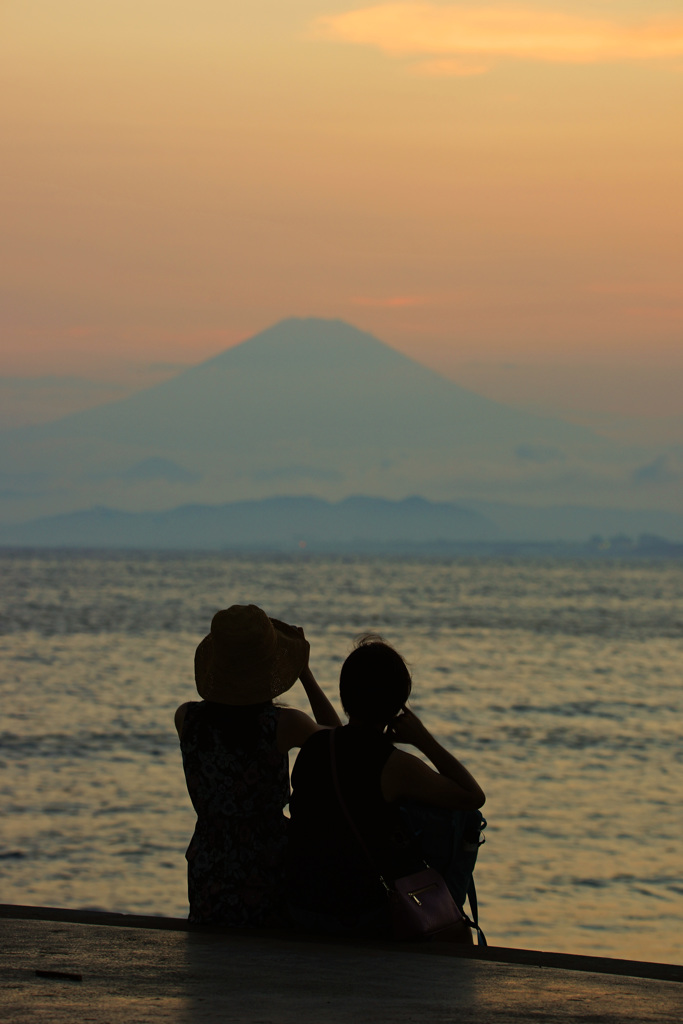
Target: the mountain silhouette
pixel 307 407
pixel 304 381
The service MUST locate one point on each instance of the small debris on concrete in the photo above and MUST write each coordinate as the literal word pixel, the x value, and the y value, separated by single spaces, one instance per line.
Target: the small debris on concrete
pixel 61 975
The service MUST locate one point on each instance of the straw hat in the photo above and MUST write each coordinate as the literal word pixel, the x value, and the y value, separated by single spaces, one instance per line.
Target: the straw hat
pixel 248 658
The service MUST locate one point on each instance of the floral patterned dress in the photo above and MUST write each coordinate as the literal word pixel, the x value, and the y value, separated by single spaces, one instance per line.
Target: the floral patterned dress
pixel 238 782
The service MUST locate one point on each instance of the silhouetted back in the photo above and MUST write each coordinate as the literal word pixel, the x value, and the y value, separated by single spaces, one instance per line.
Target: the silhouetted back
pixel 238 782
pixel 328 873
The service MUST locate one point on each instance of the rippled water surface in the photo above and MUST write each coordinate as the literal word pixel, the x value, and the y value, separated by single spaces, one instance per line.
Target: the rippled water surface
pixel 558 683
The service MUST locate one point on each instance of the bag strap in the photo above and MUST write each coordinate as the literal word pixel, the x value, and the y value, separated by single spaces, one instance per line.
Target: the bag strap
pixel 471 891
pixel 472 897
pixel 347 813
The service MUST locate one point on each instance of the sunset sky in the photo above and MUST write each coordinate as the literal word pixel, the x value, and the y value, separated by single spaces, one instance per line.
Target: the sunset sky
pixel 483 185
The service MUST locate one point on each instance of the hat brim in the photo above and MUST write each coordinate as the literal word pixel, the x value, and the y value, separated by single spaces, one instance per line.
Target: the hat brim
pixel 261 682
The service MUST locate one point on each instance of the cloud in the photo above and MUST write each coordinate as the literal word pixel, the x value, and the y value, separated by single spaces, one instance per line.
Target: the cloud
pixel 462 39
pixel 656 472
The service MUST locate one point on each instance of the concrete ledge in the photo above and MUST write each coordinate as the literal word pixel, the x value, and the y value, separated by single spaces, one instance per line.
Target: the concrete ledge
pixel 492 954
pixel 62 971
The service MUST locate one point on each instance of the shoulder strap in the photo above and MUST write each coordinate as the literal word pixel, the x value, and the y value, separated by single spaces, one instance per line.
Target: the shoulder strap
pixel 472 896
pixel 347 813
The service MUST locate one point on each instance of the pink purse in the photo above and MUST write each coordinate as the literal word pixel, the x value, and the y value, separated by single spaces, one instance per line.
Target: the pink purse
pixel 420 904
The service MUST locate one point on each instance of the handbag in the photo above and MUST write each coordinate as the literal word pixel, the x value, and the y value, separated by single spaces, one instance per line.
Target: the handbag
pixel 420 904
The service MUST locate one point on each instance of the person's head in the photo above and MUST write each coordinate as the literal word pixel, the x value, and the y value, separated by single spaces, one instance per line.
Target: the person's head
pixel 248 658
pixel 375 682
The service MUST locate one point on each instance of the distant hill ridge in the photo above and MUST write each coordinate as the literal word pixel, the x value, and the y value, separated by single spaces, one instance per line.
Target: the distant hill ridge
pixel 359 522
pixel 272 522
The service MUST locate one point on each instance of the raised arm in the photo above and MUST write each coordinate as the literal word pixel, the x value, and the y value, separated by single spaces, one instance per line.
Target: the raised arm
pixel 406 777
pixel 322 709
pixel 294 727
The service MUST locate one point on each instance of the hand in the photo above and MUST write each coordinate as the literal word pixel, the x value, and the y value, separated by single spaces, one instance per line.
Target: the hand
pixel 306 670
pixel 286 629
pixel 293 631
pixel 407 728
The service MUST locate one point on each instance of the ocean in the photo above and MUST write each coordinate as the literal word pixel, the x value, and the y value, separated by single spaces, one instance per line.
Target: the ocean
pixel 557 682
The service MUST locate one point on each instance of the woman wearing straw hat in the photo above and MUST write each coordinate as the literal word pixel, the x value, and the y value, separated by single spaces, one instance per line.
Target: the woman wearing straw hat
pixel 235 744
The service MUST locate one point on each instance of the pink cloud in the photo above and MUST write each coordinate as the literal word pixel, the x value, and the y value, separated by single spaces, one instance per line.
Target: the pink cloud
pixel 458 32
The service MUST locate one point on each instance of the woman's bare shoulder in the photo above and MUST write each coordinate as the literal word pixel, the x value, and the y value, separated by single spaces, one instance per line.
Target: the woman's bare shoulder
pixel 399 766
pixel 179 717
pixel 294 727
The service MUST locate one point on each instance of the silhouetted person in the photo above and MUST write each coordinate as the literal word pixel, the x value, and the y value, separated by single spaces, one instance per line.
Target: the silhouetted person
pixel 404 809
pixel 234 745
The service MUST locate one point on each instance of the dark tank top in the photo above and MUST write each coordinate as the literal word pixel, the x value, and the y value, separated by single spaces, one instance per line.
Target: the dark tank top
pixel 328 871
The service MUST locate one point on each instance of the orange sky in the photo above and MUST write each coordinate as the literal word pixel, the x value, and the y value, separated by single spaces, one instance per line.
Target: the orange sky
pixel 470 181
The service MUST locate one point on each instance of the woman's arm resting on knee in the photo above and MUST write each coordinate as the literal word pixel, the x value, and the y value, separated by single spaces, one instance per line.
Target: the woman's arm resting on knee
pixel 406 777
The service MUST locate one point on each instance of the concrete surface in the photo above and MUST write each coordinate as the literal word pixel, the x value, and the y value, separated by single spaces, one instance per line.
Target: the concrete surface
pixel 144 975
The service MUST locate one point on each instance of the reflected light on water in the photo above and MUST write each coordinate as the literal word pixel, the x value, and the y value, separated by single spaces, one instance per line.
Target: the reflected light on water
pixel 557 683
